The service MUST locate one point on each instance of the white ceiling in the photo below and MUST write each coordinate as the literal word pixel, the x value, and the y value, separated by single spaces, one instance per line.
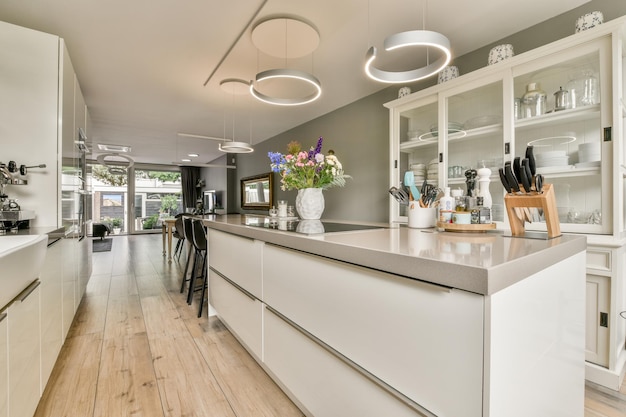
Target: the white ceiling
pixel 142 64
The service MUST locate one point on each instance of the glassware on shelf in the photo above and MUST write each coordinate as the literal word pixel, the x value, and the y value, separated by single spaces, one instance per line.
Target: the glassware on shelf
pixel 533 101
pixel 590 89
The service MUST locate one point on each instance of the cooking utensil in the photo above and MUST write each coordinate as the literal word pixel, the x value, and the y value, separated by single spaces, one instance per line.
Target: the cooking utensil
pixel 400 195
pixel 505 182
pixel 526 176
pixel 23 168
pixel 409 182
pixel 532 164
pixel 510 177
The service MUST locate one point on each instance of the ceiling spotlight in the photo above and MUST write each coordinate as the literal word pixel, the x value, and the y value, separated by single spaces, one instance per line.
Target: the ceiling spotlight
pixel 289 74
pixel 235 147
pixel 114 148
pixel 411 38
pixel 186 160
pixel 193 155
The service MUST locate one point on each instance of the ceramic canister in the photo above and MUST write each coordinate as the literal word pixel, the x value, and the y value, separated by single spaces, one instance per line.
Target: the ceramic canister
pixel 447 73
pixel 500 53
pixel 589 20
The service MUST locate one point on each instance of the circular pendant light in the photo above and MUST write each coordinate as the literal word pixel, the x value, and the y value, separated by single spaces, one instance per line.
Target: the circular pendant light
pixel 286 74
pixel 235 147
pixel 411 38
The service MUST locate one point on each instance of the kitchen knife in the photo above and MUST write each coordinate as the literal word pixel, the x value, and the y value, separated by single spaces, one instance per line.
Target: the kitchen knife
pixel 510 177
pixel 538 182
pixel 505 182
pixel 527 177
pixel 531 160
pixel 517 169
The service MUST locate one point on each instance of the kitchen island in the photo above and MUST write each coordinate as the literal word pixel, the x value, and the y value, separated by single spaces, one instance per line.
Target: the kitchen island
pixel 406 322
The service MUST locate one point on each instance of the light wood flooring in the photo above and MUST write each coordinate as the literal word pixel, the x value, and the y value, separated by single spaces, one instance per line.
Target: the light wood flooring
pixel 137 349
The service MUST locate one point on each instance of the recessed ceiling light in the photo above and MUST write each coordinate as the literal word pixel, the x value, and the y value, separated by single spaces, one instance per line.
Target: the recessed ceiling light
pixel 114 148
pixel 194 155
pixel 186 160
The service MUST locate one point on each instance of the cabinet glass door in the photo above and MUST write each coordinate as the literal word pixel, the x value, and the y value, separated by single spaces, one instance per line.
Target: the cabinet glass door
pixel 418 145
pixel 474 140
pixel 566 132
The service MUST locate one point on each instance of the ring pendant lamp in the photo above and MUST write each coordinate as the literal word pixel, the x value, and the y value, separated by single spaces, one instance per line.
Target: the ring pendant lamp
pixel 411 38
pixel 303 39
pixel 115 165
pixel 234 86
pixel 288 74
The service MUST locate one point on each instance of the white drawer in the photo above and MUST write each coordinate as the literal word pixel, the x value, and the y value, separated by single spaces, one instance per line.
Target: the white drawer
pixel 241 312
pixel 370 316
pixel 238 259
pixel 599 259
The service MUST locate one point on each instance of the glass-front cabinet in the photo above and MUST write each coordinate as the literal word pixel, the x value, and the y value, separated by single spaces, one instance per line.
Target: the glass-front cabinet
pixel 557 100
pixel 566 100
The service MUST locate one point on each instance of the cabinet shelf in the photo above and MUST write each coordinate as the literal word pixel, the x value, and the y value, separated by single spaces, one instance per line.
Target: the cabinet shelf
pixel 549 119
pixel 464 135
pixel 568 172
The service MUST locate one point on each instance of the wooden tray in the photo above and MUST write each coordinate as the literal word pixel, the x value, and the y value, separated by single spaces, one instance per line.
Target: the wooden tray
pixel 466 228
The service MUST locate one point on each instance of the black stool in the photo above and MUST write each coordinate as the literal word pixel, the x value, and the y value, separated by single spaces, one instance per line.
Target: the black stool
pixel 200 249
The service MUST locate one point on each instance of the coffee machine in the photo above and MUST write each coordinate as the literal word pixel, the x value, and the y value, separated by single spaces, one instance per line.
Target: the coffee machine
pixel 11 214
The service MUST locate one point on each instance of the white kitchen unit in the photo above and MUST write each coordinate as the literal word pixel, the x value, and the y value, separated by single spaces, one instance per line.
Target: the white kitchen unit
pixel 398 321
pixel 4 365
pixel 580 150
pixel 52 336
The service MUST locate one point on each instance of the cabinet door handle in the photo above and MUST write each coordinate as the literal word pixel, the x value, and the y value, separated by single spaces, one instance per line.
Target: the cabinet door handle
pixel 29 290
pixel 234 284
pixel 2 317
pixel 364 372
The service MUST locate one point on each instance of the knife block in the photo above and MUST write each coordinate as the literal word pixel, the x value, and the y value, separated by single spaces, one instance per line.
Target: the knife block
pixel 545 200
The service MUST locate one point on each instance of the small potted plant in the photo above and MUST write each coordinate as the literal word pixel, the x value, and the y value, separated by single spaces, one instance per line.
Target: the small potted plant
pixel 116 223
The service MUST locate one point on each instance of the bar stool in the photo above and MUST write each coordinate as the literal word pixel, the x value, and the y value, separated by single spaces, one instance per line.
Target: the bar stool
pixel 188 233
pixel 200 248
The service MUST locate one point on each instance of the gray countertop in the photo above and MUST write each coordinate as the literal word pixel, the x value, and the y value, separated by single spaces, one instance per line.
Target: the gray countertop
pixel 483 263
pixel 53 232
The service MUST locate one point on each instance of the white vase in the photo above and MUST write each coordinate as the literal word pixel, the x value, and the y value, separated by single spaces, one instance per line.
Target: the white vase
pixel 310 203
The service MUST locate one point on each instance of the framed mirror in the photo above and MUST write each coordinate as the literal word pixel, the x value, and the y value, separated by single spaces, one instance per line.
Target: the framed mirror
pixel 257 192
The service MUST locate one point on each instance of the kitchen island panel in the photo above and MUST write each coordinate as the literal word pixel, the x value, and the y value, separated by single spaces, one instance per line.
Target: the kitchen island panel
pixel 370 317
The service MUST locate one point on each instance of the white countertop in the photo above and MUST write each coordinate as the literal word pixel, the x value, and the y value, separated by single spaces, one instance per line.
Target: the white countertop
pixel 483 263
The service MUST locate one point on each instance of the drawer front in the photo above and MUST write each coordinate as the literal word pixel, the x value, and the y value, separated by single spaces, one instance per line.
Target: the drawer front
pixel 323 384
pixel 240 312
pixel 599 259
pixel 238 259
pixel 369 316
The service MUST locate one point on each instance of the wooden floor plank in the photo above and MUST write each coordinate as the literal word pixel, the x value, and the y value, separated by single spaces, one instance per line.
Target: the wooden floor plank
pixel 71 390
pixel 127 385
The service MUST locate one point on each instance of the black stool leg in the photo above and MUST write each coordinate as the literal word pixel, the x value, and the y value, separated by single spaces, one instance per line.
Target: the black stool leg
pixel 182 284
pixel 192 280
pixel 205 283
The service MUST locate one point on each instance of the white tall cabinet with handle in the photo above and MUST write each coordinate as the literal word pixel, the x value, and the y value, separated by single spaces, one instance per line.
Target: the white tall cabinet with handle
pixel 481 127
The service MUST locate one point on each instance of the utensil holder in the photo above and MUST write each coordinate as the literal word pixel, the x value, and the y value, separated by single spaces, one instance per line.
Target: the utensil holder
pixel 545 200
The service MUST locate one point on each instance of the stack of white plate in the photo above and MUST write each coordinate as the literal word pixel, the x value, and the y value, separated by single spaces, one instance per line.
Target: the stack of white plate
pixel 551 159
pixel 432 174
pixel 589 152
pixel 419 172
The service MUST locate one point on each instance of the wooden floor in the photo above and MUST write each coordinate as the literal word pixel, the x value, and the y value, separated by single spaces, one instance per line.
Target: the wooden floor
pixel 137 349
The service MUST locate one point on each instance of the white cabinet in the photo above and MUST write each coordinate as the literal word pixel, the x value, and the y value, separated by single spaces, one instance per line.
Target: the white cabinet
pixel 4 365
pixel 69 277
pixel 239 310
pixel 24 351
pixel 327 297
pixel 51 309
pixel 580 150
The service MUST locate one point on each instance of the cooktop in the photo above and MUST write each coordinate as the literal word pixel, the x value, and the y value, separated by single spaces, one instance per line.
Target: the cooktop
pixel 307 227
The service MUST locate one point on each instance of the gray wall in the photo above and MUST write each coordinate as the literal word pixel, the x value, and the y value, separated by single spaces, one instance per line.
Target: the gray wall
pixel 359 132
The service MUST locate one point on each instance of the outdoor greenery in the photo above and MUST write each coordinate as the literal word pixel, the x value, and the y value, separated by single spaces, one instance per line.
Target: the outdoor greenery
pixel 150 222
pixel 169 203
pixel 116 222
pixel 164 176
pixel 102 173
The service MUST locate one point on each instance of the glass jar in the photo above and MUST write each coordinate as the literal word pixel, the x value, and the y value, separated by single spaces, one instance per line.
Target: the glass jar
pixel 590 93
pixel 533 101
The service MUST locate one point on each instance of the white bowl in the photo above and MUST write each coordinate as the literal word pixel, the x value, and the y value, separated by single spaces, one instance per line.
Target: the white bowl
pixel 500 53
pixel 589 20
pixel 591 147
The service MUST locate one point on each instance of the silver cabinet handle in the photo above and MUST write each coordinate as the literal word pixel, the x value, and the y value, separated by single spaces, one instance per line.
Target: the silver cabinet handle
pixel 364 372
pixel 28 291
pixel 237 286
